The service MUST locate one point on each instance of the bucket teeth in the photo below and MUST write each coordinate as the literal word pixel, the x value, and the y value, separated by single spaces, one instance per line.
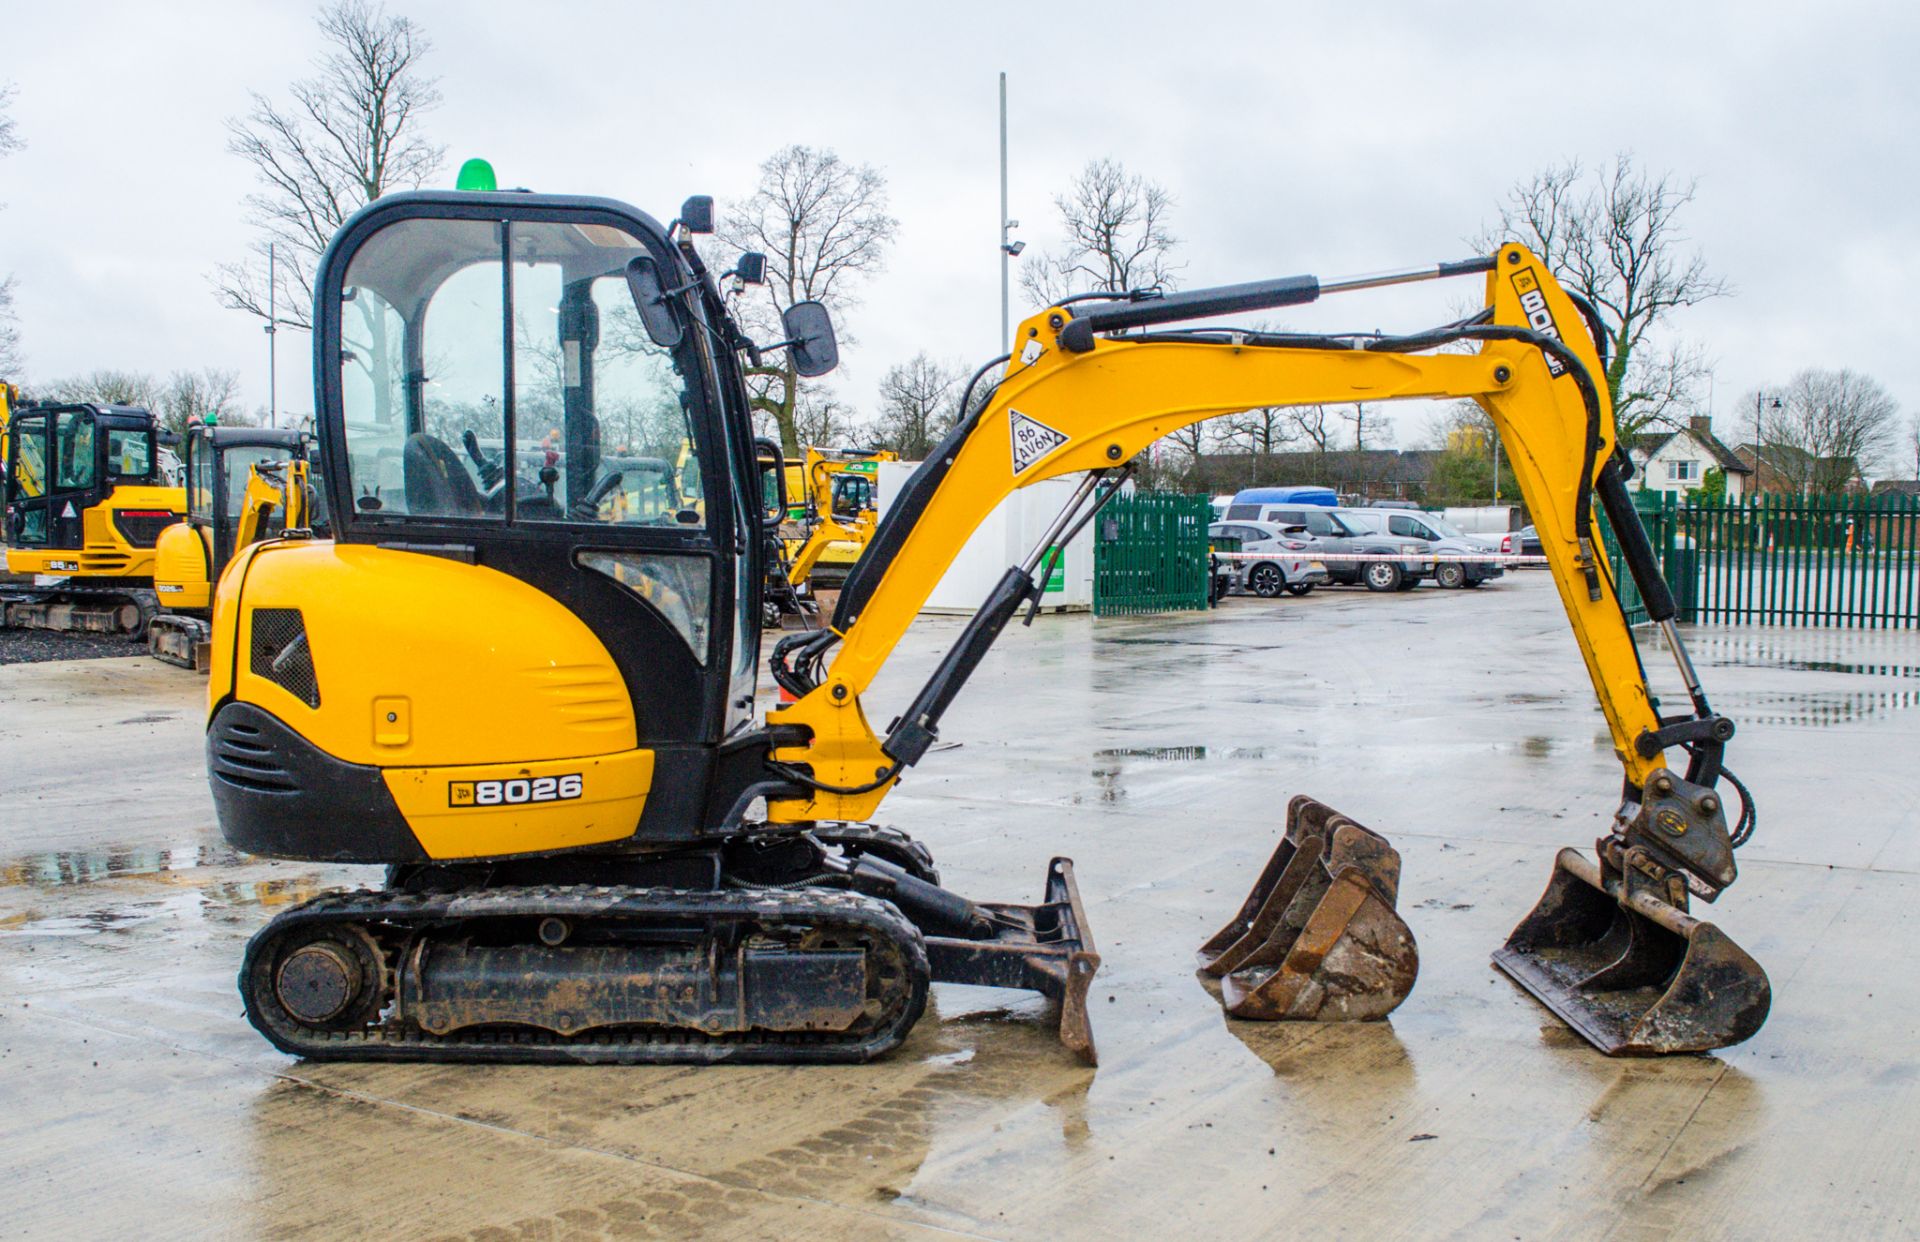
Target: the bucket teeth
pixel 1317 940
pixel 1634 975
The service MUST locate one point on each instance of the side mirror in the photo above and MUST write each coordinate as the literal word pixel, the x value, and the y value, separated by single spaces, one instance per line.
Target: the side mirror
pixel 696 214
pixel 752 268
pixel 650 299
pixel 810 334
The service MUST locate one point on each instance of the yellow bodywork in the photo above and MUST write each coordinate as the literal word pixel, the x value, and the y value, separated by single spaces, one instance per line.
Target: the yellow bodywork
pixel 104 551
pixel 180 569
pixel 1109 404
pixel 442 673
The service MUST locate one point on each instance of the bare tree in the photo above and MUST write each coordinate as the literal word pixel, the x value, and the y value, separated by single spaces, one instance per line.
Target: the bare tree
pixel 822 418
pixel 11 359
pixel 919 401
pixel 1829 427
pixel 823 225
pixel 1614 238
pixel 1357 416
pixel 1117 238
pixel 1315 424
pixel 105 387
pixel 188 395
pixel 349 134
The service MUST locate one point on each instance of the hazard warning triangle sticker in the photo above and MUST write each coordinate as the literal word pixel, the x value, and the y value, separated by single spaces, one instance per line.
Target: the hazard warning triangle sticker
pixel 68 511
pixel 1031 440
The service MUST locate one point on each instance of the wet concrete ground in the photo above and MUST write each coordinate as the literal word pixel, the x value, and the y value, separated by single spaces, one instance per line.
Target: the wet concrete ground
pixel 1159 752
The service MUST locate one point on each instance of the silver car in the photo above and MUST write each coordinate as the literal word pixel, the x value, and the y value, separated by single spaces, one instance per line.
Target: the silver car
pixel 1285 560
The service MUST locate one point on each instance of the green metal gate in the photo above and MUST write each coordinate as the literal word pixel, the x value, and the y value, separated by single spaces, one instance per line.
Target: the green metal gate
pixel 1150 554
pixel 1848 561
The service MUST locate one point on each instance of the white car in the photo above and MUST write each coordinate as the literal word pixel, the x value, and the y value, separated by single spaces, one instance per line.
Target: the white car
pixel 1285 558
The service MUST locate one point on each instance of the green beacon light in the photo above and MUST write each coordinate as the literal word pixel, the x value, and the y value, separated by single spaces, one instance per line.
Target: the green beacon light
pixel 211 420
pixel 476 175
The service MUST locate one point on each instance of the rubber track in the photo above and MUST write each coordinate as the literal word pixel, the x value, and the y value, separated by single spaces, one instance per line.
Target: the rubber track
pixel 382 912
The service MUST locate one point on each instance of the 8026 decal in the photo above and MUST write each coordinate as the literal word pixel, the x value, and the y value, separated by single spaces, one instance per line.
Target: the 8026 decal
pixel 516 791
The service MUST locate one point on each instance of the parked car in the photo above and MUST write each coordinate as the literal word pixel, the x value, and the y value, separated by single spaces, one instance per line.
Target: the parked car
pixel 1336 532
pixel 1522 542
pixel 1441 537
pixel 1286 558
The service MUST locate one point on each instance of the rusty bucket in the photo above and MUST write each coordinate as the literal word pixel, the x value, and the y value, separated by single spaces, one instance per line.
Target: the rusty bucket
pixel 1633 974
pixel 1318 939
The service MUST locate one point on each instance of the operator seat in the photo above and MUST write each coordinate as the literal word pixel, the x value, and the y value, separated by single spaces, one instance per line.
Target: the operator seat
pixel 436 482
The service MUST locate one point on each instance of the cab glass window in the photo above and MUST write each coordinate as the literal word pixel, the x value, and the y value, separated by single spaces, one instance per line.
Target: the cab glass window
pixel 1405 527
pixel 129 453
pixel 421 377
pixel 499 372
pixel 73 450
pixel 30 457
pixel 602 414
pixel 240 462
pixel 1322 524
pixel 200 482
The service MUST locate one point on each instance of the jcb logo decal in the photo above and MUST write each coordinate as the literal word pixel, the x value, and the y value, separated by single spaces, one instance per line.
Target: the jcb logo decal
pixel 514 792
pixel 1534 303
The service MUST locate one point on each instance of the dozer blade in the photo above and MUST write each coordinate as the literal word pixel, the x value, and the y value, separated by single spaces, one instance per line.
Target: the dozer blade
pixel 1047 948
pixel 1634 975
pixel 182 641
pixel 1318 939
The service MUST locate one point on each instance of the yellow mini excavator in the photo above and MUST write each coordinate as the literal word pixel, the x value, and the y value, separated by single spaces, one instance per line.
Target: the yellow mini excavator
pixel 537 709
pixel 244 484
pixel 86 502
pixel 841 514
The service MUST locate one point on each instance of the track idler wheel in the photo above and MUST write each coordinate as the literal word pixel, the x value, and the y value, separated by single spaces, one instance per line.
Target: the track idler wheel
pixel 333 980
pixel 1318 938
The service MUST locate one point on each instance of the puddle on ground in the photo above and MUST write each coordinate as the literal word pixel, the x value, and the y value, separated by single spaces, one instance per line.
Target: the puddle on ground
pixel 1849 652
pixel 1180 754
pixel 66 868
pixel 1111 764
pixel 1817 710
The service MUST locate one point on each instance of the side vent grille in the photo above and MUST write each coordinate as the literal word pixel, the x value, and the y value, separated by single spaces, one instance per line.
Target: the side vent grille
pixel 281 655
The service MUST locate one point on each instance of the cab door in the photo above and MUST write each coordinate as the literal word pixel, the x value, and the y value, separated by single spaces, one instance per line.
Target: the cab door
pixel 29 479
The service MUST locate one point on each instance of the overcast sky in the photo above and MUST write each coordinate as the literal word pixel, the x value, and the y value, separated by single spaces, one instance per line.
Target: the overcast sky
pixel 1327 139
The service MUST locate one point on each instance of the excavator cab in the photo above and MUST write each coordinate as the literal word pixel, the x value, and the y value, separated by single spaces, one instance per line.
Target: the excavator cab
pixel 86 502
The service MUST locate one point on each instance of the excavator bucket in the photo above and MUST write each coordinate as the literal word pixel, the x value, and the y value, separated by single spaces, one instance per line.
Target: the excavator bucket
pixel 1318 939
pixel 1635 975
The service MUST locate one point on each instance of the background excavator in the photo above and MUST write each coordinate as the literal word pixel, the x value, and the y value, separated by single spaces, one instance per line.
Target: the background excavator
pixel 243 484
pixel 537 709
pixel 840 513
pixel 86 501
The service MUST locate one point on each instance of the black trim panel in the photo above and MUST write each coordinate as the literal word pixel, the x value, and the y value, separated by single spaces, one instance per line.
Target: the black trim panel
pixel 279 795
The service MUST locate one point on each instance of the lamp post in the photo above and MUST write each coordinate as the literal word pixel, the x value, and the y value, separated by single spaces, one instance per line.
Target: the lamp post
pixel 1760 402
pixel 1009 249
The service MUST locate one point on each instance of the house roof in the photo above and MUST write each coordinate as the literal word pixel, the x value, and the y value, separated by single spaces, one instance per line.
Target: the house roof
pixel 1897 487
pixel 1651 442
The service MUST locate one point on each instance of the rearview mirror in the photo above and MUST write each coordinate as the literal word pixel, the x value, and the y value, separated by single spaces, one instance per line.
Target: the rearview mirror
pixel 650 299
pixel 696 214
pixel 810 334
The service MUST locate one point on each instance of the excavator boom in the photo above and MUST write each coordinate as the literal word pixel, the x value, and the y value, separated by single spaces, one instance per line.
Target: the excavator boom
pixel 1074 400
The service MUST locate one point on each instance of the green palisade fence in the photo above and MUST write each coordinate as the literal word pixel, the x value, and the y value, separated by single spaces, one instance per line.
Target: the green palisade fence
pixel 1847 561
pixel 1150 554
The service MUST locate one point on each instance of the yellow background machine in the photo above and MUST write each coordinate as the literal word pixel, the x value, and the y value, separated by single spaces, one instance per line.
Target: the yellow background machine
pixel 86 502
pixel 243 484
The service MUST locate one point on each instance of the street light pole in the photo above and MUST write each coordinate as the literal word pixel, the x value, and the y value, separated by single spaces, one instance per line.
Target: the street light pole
pixel 273 320
pixel 1006 226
